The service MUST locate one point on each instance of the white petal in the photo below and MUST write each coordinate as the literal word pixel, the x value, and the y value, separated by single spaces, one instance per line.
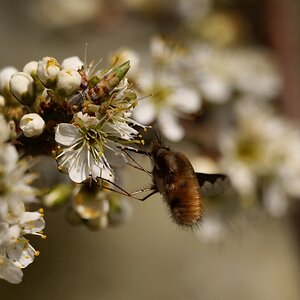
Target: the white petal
pixel 30 216
pixel 95 171
pixel 8 234
pixel 9 271
pixel 107 174
pixel 170 126
pixel 216 90
pixel 121 129
pixel 145 112
pixel 185 100
pixel 8 157
pixel 4 129
pixel 115 157
pixel 73 62
pixel 66 134
pixel 32 222
pixel 22 253
pixel 79 169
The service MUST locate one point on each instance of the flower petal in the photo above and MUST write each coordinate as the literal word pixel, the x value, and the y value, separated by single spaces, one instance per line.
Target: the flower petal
pixel 9 271
pixel 170 126
pixel 79 169
pixel 21 253
pixel 185 100
pixel 145 112
pixel 66 134
pixel 32 222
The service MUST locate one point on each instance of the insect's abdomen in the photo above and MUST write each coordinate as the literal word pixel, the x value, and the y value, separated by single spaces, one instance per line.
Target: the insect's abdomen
pixel 175 178
pixel 185 204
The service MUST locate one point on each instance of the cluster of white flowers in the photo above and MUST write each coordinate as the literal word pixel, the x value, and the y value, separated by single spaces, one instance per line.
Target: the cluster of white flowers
pixel 261 156
pixel 221 73
pixel 15 222
pixel 168 97
pixel 83 118
pixel 86 112
pixel 180 80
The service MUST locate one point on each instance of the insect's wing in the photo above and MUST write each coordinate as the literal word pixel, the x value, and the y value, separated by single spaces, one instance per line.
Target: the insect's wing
pixel 212 184
pixel 77 99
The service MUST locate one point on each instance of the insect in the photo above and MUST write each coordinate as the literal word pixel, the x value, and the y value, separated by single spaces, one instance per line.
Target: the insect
pixel 183 189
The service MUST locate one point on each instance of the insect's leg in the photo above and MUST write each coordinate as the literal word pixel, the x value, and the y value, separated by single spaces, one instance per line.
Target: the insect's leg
pixel 132 195
pixel 138 151
pixel 137 165
pixel 154 191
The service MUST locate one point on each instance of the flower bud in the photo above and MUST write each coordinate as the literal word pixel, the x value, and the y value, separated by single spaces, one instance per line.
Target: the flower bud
pixel 97 223
pixel 68 82
pixel 5 76
pixel 32 125
pixel 72 62
pixel 47 71
pixel 2 101
pixel 22 86
pixel 4 130
pixel 58 195
pixel 31 68
pixel 109 81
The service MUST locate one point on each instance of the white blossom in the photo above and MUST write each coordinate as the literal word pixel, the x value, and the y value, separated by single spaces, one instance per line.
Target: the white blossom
pixel 83 153
pixel 5 76
pixel 91 205
pixel 23 88
pixel 9 271
pixel 14 246
pixel 219 73
pixel 13 196
pixel 31 68
pixel 15 222
pixel 64 13
pixel 68 82
pixel 73 62
pixel 91 146
pixel 47 70
pixel 32 125
pixel 168 102
pixel 262 153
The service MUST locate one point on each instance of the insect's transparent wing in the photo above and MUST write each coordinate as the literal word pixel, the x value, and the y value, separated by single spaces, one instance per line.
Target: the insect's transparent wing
pixel 213 184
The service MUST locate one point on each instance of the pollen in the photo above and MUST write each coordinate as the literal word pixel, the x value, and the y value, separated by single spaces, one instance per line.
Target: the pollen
pixel 43 236
pixel 37 253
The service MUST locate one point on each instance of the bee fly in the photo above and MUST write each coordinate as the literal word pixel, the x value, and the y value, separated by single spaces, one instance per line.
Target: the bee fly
pixel 183 189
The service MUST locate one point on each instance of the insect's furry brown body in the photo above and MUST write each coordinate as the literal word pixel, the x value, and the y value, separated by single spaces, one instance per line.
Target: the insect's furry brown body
pixel 175 178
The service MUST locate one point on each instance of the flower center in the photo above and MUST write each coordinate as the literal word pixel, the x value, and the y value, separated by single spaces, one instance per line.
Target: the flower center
pixel 160 94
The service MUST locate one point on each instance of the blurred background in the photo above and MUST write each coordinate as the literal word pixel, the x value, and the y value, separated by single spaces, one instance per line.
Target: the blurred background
pixel 242 58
